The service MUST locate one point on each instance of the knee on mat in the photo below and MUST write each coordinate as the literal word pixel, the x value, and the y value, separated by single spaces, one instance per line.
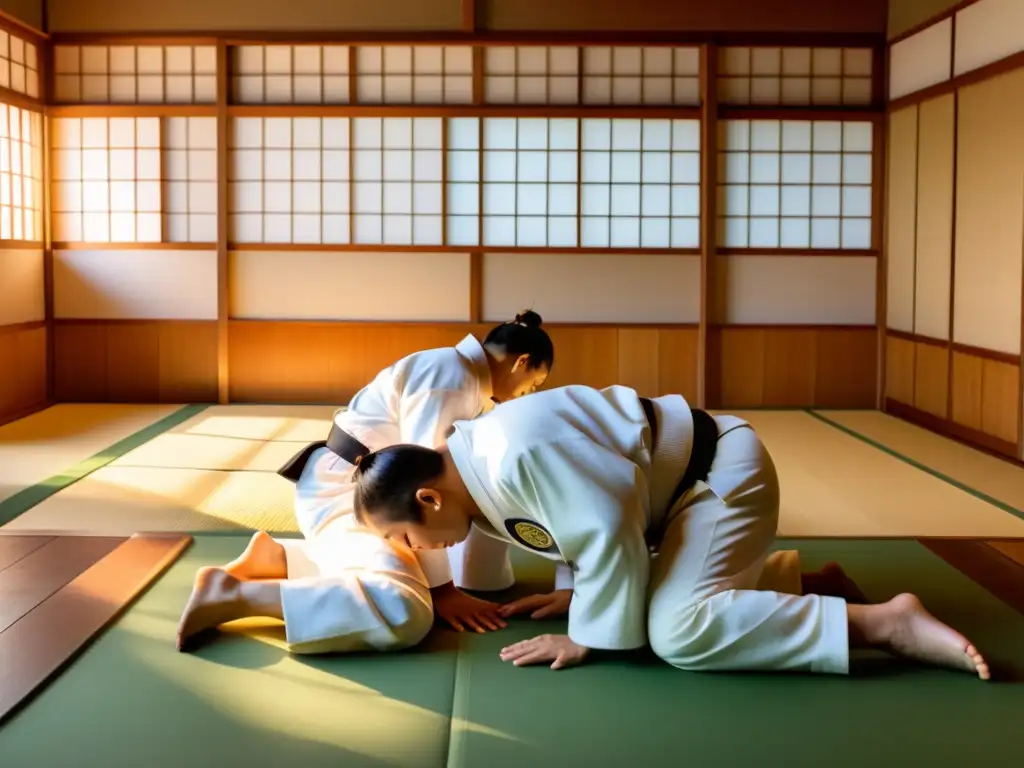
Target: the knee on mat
pixel 685 640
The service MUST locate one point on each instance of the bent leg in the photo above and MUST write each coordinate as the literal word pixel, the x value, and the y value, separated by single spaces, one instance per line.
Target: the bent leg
pixel 710 608
pixel 350 590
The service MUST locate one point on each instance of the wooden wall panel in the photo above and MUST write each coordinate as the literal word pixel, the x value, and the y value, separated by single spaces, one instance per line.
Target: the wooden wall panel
pixel 969 394
pixel 931 379
pixel 899 369
pixel 864 16
pixel 22 370
pixel 147 361
pixel 257 15
pixel 795 367
pixel 329 362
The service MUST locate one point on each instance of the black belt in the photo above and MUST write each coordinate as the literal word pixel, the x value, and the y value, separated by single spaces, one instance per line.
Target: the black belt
pixel 702 454
pixel 338 441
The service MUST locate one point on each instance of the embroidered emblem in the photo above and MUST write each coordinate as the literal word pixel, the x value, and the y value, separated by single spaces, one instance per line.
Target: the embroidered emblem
pixel 530 535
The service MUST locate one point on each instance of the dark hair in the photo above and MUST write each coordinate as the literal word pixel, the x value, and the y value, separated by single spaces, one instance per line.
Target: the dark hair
pixel 524 336
pixel 387 481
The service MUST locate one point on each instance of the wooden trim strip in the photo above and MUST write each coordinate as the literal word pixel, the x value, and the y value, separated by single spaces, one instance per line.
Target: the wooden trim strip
pixel 872 114
pixel 965 349
pixel 23 245
pixel 932 21
pixel 987 72
pixel 50 636
pixel 468 16
pixel 70 321
pixel 444 325
pixel 223 228
pixel 132 110
pixel 707 359
pixel 462 110
pixel 21 100
pixel 965 435
pixel 13 24
pixel 879 191
pixel 483 37
pixel 792 327
pixel 983 564
pixel 30 581
pixel 367 248
pixel 777 251
pixel 76 246
pixel 30 325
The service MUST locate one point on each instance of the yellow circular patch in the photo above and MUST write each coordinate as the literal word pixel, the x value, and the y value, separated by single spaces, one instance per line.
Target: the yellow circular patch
pixel 533 535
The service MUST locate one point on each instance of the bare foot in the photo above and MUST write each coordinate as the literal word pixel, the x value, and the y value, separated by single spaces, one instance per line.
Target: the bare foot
pixel 915 633
pixel 832 581
pixel 214 601
pixel 264 558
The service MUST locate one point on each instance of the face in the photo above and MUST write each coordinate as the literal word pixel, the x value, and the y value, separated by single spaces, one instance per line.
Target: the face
pixel 445 523
pixel 520 380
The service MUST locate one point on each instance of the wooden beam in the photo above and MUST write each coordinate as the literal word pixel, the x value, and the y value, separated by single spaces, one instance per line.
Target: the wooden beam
pixel 707 357
pixel 879 190
pixel 223 233
pixel 468 16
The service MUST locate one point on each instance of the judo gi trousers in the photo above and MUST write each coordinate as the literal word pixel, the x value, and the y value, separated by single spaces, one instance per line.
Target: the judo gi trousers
pixel 349 590
pixel 717 599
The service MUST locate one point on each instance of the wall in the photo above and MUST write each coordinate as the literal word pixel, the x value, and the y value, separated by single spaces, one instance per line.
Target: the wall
pixel 865 16
pixel 23 263
pixel 285 246
pixel 905 15
pixel 28 12
pixel 955 240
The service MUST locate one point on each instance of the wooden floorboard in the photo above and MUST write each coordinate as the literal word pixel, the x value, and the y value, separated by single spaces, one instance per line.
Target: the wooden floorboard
pixel 14 548
pixel 984 564
pixel 28 582
pixel 46 638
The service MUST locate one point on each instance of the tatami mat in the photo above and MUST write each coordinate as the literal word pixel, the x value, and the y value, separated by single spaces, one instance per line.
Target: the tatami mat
pixel 47 443
pixel 243 700
pixel 216 471
pixel 836 485
pixel 994 477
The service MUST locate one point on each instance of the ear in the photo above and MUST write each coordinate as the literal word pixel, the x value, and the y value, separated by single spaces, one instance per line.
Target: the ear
pixel 429 497
pixel 521 362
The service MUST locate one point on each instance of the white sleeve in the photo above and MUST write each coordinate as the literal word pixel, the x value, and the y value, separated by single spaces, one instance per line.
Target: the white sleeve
pixel 563 576
pixel 425 419
pixel 589 499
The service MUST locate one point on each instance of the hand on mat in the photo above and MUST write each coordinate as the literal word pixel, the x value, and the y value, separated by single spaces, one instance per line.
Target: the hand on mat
pixel 542 606
pixel 459 609
pixel 558 649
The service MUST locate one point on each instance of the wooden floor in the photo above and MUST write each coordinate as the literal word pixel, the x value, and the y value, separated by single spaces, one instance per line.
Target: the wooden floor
pixel 59 592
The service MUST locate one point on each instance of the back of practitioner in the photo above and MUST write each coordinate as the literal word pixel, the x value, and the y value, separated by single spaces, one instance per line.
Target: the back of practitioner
pixel 595 480
pixel 343 588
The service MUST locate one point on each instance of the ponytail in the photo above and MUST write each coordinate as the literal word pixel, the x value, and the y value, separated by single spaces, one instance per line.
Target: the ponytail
pixel 524 336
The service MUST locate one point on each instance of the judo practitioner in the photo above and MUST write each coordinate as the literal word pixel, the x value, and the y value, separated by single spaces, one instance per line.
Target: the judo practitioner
pixel 597 479
pixel 342 588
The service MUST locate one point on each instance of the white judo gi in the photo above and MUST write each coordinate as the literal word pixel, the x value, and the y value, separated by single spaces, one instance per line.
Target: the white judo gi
pixel 571 473
pixel 348 589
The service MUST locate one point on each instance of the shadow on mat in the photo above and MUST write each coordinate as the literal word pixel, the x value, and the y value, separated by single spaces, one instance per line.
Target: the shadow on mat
pixel 393 675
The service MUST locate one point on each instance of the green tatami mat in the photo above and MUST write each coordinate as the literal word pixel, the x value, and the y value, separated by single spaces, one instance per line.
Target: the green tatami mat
pixel 22 501
pixel 131 700
pixel 639 712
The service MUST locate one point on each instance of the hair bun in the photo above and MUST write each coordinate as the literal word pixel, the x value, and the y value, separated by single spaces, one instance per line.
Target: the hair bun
pixel 529 319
